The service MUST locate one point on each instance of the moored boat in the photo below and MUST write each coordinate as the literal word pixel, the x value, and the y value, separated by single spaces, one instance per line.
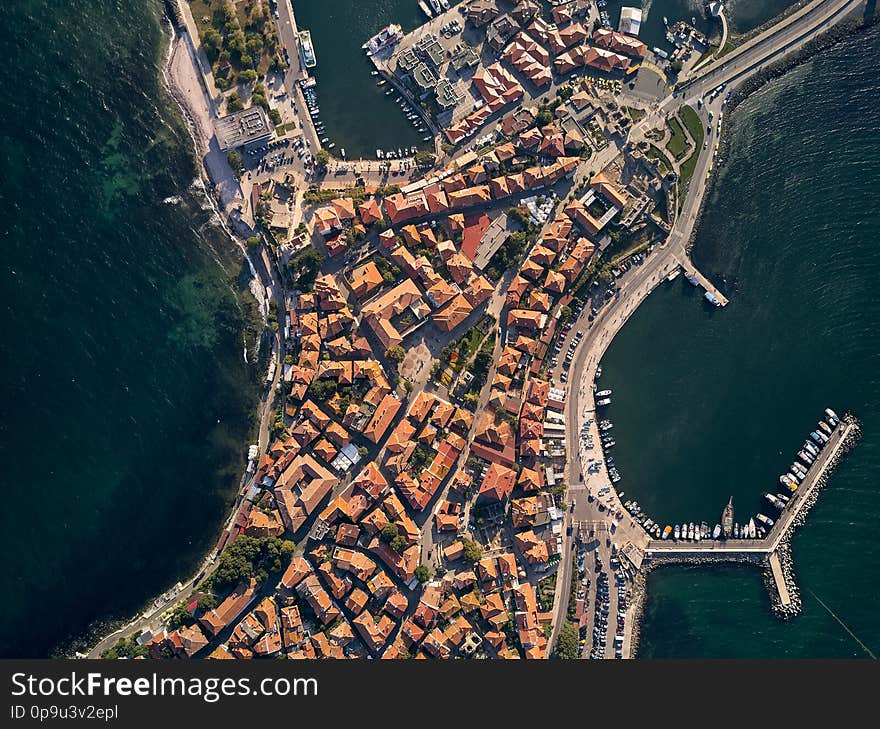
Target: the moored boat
pixel 764 519
pixel 677 532
pixel 667 530
pixel 716 532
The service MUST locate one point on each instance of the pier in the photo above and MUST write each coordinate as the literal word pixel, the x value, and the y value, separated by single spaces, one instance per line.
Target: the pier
pixel 772 550
pixel 713 294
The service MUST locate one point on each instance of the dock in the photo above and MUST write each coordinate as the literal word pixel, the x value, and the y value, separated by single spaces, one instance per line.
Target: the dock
pixel 766 550
pixel 713 294
pixel 779 580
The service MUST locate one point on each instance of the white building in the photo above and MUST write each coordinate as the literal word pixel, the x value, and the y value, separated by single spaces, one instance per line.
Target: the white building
pixel 630 21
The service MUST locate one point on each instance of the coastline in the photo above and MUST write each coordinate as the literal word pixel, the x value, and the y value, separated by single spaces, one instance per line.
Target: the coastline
pixel 180 79
pixel 825 41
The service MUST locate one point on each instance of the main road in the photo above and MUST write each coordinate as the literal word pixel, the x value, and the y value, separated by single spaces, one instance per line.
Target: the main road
pixel 781 39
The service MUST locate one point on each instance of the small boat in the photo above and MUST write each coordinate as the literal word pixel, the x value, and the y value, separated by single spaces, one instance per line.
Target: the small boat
pixel 774 501
pixel 697 535
pixel 609 444
pixel 825 427
pixel 806 458
pixel 764 519
pixel 691 530
pixel 604 393
pixel 342 152
pixel 704 530
pixel 381 82
pixel 378 154
pixel 736 531
pixel 831 414
pixel 824 438
pixel 716 532
pixel 373 72
pixel 794 477
pixel 677 532
pixel 331 145
pixel 604 402
pixel 426 139
pixel 783 498
pixel 598 372
pixel 816 437
pixel 752 530
pixel 389 92
pixel 666 532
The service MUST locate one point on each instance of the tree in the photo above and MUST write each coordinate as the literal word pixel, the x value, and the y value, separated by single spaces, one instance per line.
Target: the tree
pixel 395 354
pixel 472 551
pixel 247 76
pixel 275 116
pixel 322 157
pixel 389 532
pixel 234 159
pixel 253 242
pixel 179 616
pixel 247 557
pixel 422 574
pixel 565 312
pixel 125 648
pixel 567 642
pixel 233 102
pixel 424 158
pixel 207 602
pixel 398 544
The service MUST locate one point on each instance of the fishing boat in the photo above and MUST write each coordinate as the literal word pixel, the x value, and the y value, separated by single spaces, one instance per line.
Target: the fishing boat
pixel 727 519
pixel 604 393
pixel 676 532
pixel 716 532
pixel 764 519
pixel 667 530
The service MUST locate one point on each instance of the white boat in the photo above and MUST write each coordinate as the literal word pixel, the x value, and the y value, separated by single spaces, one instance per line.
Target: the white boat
pixel 378 154
pixel 716 532
pixel 765 519
pixel 752 529
pixel 604 393
pixel 603 402
pixel 825 427
pixel 435 6
pixel 831 414
pixel 677 532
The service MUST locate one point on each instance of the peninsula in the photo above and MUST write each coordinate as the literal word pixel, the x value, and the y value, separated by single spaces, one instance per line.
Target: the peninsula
pixel 433 474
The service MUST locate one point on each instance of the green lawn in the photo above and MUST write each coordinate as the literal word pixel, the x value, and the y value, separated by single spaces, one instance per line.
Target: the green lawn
pixel 678 143
pixel 655 153
pixel 695 129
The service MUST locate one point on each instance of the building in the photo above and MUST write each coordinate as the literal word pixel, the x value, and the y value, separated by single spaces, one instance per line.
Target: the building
pixel 242 127
pixel 630 21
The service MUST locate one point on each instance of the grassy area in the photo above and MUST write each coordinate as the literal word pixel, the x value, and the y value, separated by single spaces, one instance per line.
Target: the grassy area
pixel 678 143
pixel 545 593
pixel 654 152
pixel 695 128
pixel 635 114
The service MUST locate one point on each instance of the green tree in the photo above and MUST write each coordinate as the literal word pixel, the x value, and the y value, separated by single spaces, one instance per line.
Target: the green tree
pixel 398 544
pixel 233 102
pixel 567 642
pixel 424 158
pixel 472 551
pixel 275 116
pixel 322 157
pixel 253 242
pixel 125 648
pixel 422 574
pixel 395 354
pixel 247 76
pixel 234 159
pixel 207 602
pixel 389 533
pixel 247 557
pixel 565 312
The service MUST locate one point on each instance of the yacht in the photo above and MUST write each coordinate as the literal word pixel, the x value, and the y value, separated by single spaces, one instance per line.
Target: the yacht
pixel 666 532
pixel 716 532
pixel 764 519
pixel 752 529
pixel 604 393
pixel 832 416
pixel 677 532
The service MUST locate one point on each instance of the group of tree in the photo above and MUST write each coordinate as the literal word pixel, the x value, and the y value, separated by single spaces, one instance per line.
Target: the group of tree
pixel 472 551
pixel 304 268
pixel 567 644
pixel 247 557
pixel 391 535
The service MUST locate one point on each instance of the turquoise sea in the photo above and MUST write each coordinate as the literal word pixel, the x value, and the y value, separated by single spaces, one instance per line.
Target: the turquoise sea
pixel 127 404
pixel 713 403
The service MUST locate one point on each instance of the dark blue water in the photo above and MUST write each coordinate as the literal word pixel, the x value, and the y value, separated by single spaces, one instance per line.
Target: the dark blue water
pixel 126 400
pixel 713 403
